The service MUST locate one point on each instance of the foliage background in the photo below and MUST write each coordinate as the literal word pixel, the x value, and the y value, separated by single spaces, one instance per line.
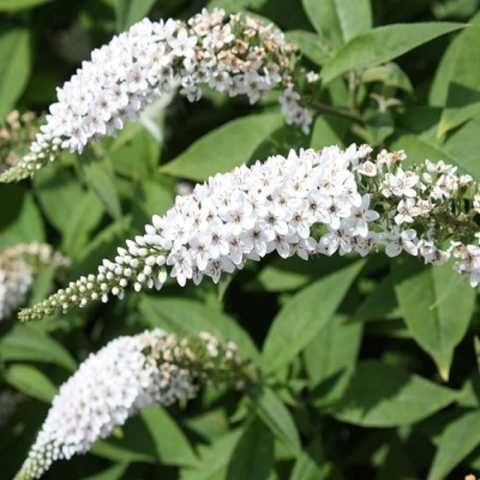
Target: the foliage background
pixel 371 365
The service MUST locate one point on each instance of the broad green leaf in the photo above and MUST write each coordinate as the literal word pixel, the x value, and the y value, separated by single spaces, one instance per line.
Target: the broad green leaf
pixel 13 5
pixel 135 152
pixel 57 191
pixel 100 180
pixel 310 45
pixel 437 305
pixel 462 146
pixel 85 216
pixel 113 473
pixel 15 66
pixel 325 133
pixel 185 316
pixel 276 416
pixel 21 221
pixel 463 100
pixel 460 437
pixel 103 246
pixel 304 316
pixel 253 456
pixel 355 17
pixel 42 284
pixel 331 356
pixel 214 459
pixel 129 12
pixel 224 148
pixel 380 395
pixel 27 343
pixel 171 444
pixel 390 74
pixel 383 44
pixel 30 381
pixel 324 17
pixel 381 303
pixel 438 94
pixel 235 5
pixel 306 468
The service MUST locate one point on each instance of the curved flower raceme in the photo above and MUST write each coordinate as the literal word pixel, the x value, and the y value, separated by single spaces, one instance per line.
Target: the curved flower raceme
pixel 235 55
pixel 119 380
pixel 308 203
pixel 17 268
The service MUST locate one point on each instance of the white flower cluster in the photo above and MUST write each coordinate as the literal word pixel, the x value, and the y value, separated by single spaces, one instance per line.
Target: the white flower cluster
pixel 234 55
pixel 308 203
pixel 17 267
pixel 115 383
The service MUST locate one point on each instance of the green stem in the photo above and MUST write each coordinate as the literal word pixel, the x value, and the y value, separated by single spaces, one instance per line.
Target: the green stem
pixel 342 113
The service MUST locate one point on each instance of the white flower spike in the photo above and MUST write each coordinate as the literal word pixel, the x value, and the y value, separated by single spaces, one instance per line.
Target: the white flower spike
pixel 231 54
pixel 307 203
pixel 125 376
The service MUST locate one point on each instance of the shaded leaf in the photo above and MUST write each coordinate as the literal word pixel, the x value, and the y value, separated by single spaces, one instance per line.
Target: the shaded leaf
pixel 383 44
pixel 129 12
pixel 27 343
pixel 253 456
pixel 304 316
pixel 276 416
pixel 224 148
pixel 460 437
pixel 437 307
pixel 310 45
pixel 30 381
pixel 381 395
pixel 15 66
pixel 184 316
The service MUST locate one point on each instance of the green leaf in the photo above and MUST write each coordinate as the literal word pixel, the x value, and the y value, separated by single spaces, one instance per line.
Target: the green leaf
pixel 437 305
pixel 355 17
pixel 276 416
pixel 331 356
pixel 214 459
pixel 380 395
pixel 27 343
pixel 13 5
pixel 324 17
pixel 390 74
pixel 460 437
pixel 113 473
pixel 102 247
pixel 463 100
pixel 15 66
pixel 186 316
pixel 383 44
pixel 85 216
pixel 325 133
pixel 129 12
pixel 438 94
pixel 305 315
pixel 21 221
pixel 224 148
pixel 57 191
pixel 101 181
pixel 253 456
pixel 30 381
pixel 310 45
pixel 171 444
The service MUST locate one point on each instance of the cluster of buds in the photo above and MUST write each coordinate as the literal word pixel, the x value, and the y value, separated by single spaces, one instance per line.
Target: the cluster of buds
pixel 311 202
pixel 17 131
pixel 128 374
pixel 18 265
pixel 233 55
